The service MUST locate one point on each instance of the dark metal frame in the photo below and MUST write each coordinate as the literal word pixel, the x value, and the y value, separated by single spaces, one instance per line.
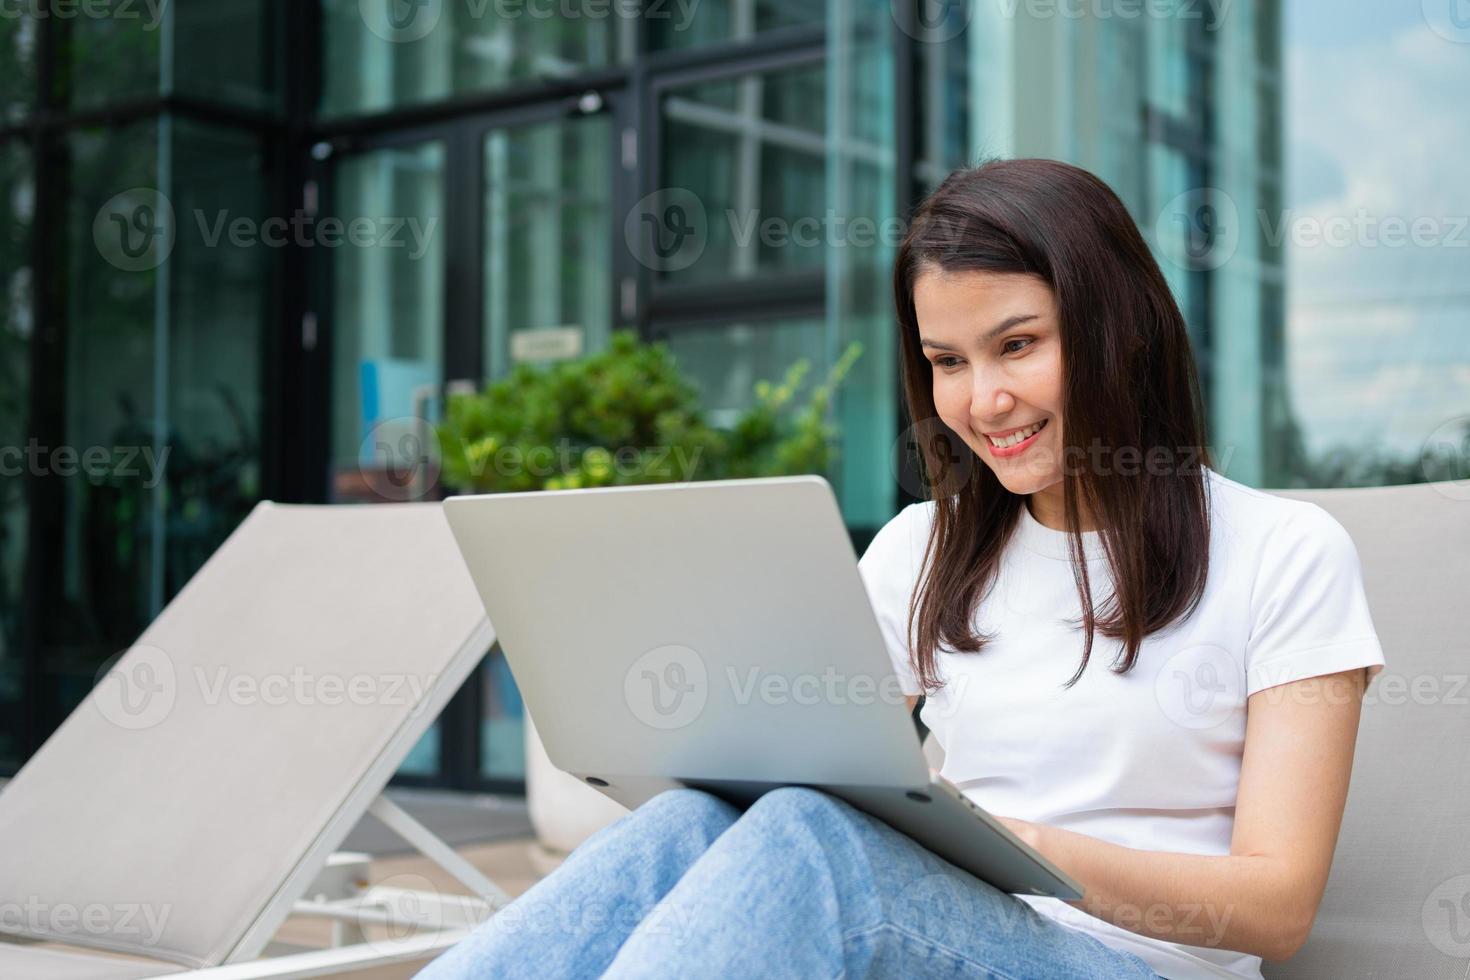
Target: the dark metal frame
pixel 296 366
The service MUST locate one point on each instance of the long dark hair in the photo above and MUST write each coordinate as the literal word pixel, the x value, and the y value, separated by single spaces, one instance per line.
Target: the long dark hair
pixel 1129 381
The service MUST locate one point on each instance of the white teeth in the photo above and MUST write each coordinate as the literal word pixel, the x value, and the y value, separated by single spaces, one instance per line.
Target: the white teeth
pixel 1016 437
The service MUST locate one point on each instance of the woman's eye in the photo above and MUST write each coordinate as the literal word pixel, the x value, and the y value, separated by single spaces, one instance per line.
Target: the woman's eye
pixel 1015 340
pixel 946 361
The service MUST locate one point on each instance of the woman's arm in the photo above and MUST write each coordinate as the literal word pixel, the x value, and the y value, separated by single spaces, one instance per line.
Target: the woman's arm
pixel 1261 898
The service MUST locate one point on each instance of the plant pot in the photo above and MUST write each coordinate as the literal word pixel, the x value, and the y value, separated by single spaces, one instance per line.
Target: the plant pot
pixel 564 810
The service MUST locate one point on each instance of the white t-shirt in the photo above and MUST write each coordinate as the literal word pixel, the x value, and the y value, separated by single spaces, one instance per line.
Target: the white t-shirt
pixel 1148 759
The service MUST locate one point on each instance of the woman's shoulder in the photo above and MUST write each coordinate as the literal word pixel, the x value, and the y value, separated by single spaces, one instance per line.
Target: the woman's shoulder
pixel 1259 517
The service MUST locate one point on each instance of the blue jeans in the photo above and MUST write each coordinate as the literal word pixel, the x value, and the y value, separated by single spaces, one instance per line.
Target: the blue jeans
pixel 800 885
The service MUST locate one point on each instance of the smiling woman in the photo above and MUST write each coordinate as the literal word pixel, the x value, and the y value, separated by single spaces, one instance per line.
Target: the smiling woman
pixel 1195 784
pixel 1012 305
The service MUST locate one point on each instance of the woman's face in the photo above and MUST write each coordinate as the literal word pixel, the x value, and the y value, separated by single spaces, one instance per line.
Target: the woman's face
pixel 994 348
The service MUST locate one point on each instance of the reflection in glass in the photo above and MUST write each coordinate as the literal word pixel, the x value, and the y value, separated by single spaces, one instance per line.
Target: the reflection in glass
pixel 752 150
pixel 725 360
pixel 675 25
pixel 18 37
pixel 548 233
pixel 387 321
pixel 503 730
pixel 17 212
pixel 162 383
pixel 386 54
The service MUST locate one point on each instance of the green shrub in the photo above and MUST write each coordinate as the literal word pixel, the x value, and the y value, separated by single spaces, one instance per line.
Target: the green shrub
pixel 627 416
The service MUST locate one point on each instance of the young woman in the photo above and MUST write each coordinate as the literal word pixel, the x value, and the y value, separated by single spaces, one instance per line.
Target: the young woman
pixel 1193 784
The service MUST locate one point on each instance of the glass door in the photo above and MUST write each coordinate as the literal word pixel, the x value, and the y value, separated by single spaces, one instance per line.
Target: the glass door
pixel 387 287
pixel 452 254
pixel 548 293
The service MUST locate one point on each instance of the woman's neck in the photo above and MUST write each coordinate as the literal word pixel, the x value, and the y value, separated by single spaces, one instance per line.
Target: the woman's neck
pixel 1048 506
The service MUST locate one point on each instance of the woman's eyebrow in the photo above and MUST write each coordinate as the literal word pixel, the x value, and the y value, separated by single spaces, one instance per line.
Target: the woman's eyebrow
pixel 990 334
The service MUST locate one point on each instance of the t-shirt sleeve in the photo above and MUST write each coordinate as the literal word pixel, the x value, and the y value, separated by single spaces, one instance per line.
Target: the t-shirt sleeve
pixel 888 572
pixel 1309 611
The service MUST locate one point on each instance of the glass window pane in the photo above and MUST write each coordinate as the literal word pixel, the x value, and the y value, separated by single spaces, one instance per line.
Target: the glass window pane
pixel 751 150
pixel 219 301
pixel 109 58
pixel 675 25
pixel 230 50
pixel 17 213
pixel 18 38
pixel 387 54
pixel 725 360
pixel 116 250
pixel 162 380
pixel 548 233
pixel 503 731
pixel 423 758
pixel 387 320
pixel 1372 222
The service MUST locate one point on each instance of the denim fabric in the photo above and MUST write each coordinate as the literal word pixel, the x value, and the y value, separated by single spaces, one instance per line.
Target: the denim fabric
pixel 800 885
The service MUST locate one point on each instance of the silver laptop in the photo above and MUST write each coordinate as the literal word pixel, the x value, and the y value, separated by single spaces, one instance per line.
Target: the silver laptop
pixel 716 635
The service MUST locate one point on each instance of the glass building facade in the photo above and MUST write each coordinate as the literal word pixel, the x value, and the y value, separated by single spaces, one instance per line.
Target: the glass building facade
pixel 245 242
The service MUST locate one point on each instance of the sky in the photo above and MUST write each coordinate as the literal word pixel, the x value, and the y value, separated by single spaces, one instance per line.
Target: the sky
pixel 1377 121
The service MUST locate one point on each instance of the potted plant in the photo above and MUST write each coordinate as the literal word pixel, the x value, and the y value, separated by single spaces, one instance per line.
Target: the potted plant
pixel 616 418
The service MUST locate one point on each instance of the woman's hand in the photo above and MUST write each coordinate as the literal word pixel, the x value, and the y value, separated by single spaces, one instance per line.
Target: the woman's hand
pixel 1024 829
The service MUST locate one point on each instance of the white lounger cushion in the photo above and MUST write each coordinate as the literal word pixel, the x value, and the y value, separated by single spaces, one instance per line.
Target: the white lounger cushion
pixel 188 818
pixel 19 962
